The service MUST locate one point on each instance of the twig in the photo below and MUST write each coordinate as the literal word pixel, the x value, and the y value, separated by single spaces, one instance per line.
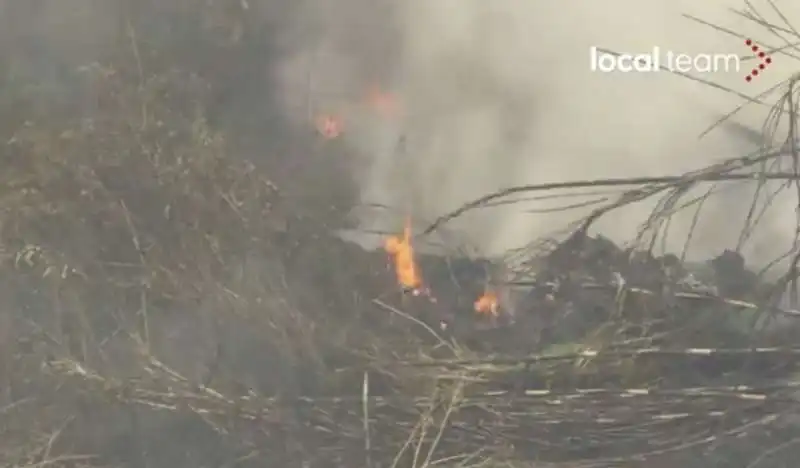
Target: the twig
pixel 454 397
pixel 613 182
pixel 365 407
pixel 771 452
pixel 140 69
pixel 143 288
pixel 418 322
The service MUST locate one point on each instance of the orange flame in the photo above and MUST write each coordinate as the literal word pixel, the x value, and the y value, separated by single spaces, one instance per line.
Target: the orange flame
pixel 329 126
pixel 487 304
pixel 402 252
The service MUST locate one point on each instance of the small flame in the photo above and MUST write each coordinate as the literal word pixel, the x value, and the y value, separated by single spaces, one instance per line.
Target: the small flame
pixel 402 253
pixel 329 126
pixel 383 102
pixel 487 304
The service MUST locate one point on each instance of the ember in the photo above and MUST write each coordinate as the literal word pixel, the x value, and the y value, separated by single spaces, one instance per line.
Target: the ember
pixel 329 126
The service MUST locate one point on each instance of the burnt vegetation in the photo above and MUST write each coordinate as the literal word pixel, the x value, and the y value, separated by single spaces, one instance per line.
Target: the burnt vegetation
pixel 169 301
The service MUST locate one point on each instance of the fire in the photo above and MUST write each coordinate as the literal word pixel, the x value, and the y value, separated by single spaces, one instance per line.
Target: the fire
pixel 487 304
pixel 329 126
pixel 402 252
pixel 383 102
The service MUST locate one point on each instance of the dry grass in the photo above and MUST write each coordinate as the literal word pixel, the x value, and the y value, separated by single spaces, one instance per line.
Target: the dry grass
pixel 156 285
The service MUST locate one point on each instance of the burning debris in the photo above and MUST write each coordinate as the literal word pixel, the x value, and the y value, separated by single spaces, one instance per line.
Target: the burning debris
pixel 487 304
pixel 405 264
pixel 381 103
pixel 330 126
pixel 167 304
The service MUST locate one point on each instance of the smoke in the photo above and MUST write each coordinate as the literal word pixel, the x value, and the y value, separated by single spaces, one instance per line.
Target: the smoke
pixel 495 93
pixel 501 93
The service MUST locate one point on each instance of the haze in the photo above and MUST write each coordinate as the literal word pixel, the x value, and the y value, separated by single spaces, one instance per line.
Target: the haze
pixel 500 93
pixel 496 93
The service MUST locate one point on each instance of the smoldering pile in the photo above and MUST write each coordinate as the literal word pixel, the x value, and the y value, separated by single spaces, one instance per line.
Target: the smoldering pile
pixel 602 342
pixel 608 355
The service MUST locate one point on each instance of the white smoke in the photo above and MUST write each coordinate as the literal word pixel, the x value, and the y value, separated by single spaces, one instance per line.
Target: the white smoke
pixel 501 93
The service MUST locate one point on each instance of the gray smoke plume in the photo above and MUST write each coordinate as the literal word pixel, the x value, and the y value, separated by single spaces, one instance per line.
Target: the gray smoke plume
pixel 501 93
pixel 494 94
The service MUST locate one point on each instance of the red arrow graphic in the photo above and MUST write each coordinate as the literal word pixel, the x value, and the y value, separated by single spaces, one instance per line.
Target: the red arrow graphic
pixel 762 56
